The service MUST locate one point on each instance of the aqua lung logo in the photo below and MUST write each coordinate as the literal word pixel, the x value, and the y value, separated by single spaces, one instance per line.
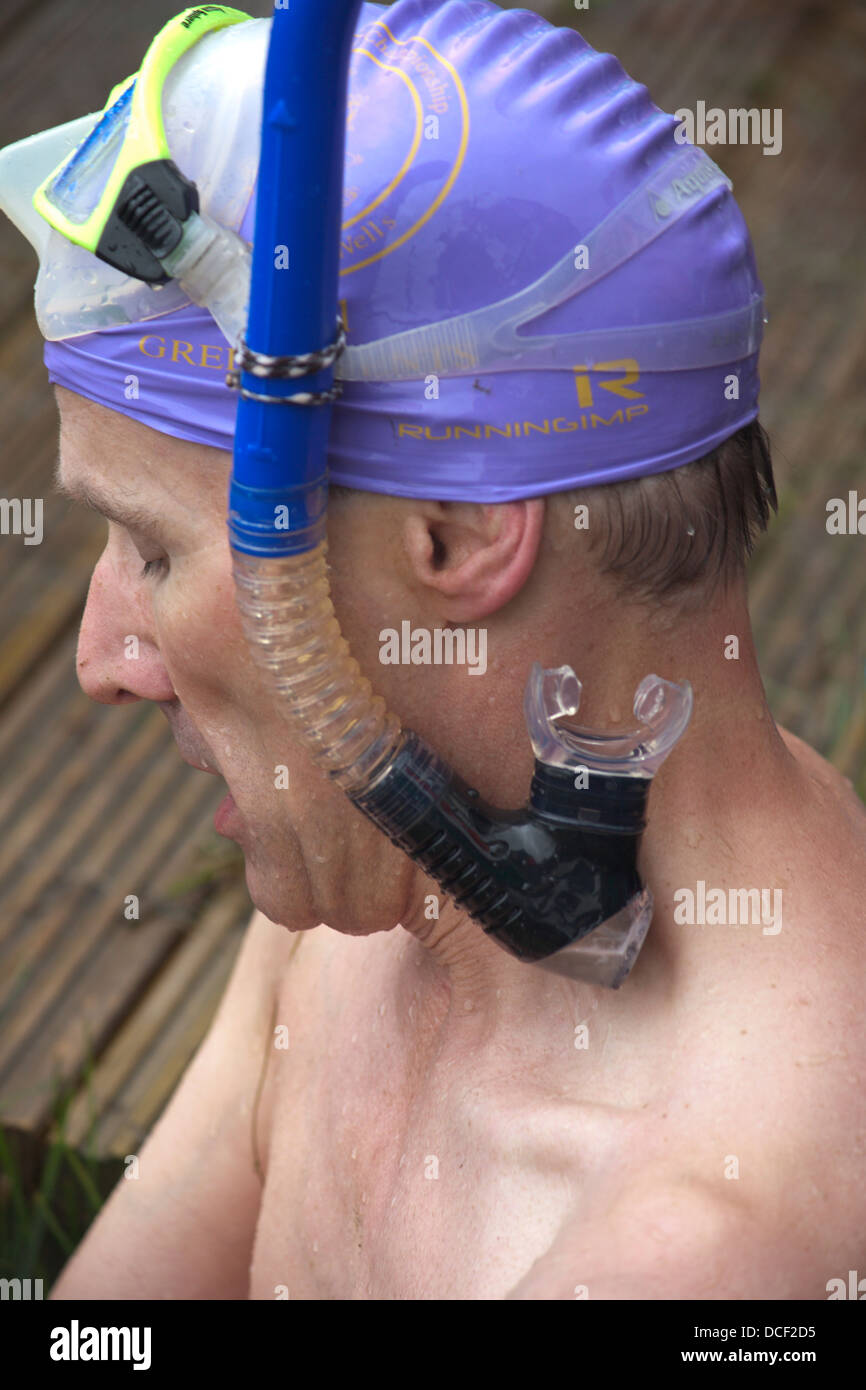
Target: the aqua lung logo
pixel 200 13
pixel 703 177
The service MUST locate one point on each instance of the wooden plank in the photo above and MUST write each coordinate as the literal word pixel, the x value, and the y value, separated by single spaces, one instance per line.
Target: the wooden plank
pixel 135 1076
pixel 44 620
pixel 105 810
pixel 42 707
pixel 152 1085
pixel 101 967
pixel 130 848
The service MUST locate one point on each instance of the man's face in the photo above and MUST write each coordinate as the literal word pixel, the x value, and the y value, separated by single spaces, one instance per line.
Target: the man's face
pixel 165 578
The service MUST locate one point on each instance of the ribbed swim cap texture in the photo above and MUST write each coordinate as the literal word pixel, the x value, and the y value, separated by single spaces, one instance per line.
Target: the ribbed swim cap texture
pixel 483 145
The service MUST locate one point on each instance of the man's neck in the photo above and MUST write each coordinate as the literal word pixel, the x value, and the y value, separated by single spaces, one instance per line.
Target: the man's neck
pixel 705 806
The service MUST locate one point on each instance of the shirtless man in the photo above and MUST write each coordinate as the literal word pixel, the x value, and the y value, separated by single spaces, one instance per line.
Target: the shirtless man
pixel 387 1104
pixel 436 1127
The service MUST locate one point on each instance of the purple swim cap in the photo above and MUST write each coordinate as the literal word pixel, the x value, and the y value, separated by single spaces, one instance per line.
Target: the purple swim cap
pixel 484 149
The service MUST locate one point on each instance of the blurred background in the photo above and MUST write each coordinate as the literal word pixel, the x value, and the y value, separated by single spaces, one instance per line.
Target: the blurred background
pixel 100 1013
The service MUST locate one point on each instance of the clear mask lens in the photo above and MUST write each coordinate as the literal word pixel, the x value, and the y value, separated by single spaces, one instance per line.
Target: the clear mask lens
pixel 79 185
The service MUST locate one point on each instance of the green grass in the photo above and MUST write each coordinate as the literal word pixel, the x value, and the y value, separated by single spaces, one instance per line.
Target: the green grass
pixel 47 1203
pixel 49 1191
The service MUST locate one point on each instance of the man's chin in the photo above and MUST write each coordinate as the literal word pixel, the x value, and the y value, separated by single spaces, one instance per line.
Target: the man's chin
pixel 280 891
pixel 300 894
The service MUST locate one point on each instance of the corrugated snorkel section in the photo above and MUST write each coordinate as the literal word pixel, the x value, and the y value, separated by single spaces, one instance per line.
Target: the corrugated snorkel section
pixel 278 494
pixel 289 619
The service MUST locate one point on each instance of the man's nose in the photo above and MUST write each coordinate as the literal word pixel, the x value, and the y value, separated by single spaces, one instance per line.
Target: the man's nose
pixel 118 660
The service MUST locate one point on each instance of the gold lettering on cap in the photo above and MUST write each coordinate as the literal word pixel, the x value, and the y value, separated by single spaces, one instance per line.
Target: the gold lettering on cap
pixel 150 337
pixel 211 347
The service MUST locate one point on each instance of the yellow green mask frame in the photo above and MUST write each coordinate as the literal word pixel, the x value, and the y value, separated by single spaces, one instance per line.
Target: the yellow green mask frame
pixel 119 194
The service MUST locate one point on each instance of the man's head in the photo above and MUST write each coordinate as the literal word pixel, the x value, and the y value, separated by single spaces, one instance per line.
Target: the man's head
pixel 634 397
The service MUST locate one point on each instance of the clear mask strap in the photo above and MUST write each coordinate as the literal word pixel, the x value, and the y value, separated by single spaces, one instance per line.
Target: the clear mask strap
pixel 486 339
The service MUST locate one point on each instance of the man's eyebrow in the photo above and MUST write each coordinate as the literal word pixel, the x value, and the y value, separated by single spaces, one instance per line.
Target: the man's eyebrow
pixel 129 514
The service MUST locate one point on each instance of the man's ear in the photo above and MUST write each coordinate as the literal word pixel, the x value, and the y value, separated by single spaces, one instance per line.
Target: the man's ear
pixel 475 557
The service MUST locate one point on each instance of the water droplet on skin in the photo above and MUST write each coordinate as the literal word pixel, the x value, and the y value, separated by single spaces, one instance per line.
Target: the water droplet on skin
pixel 690 530
pixel 381 1010
pixel 315 1247
pixel 354 1153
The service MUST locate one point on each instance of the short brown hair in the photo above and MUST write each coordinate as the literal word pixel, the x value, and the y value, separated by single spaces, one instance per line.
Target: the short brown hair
pixel 688 528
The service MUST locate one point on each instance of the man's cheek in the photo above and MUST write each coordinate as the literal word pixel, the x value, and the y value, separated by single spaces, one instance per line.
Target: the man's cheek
pixel 201 629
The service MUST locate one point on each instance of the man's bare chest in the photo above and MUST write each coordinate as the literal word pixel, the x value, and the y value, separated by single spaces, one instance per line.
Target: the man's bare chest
pixel 389 1176
pixel 399 1173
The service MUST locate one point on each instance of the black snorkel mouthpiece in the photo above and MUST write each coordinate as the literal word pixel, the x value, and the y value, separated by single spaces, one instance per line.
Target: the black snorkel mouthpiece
pixel 555 882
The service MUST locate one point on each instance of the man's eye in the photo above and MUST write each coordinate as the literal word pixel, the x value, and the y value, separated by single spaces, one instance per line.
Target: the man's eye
pixel 152 567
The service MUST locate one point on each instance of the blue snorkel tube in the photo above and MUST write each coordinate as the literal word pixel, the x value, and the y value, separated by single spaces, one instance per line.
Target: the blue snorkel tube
pixel 280 451
pixel 556 882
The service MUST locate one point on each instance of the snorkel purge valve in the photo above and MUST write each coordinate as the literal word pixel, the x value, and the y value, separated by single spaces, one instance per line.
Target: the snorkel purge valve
pixel 555 883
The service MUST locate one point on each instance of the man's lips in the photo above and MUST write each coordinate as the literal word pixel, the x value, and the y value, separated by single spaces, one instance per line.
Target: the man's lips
pixel 226 821
pixel 200 768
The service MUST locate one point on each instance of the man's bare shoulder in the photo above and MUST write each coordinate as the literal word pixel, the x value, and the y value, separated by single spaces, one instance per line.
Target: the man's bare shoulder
pixel 772 1073
pixel 828 896
pixel 828 780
